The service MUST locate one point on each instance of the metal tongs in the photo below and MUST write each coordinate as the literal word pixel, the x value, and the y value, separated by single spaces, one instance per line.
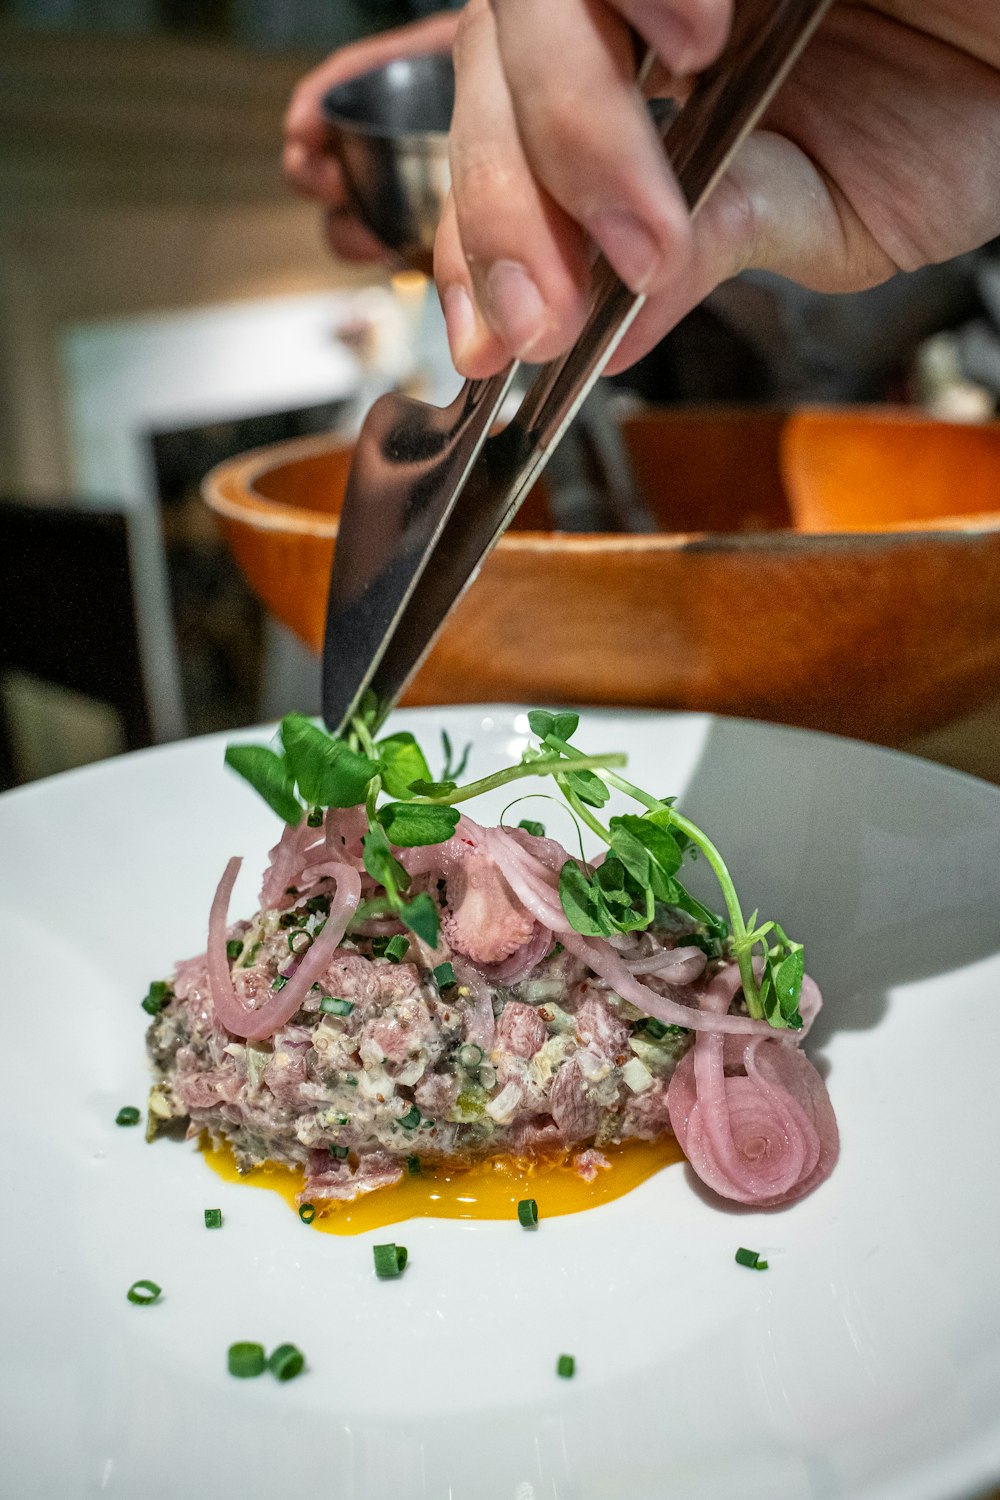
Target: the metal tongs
pixel 406 549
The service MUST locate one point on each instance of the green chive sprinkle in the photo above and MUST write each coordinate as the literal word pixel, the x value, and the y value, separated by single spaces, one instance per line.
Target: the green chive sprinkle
pixel 566 1366
pixel 307 1213
pixel 279 982
pixel 470 1055
pixel 143 1292
pixel 318 903
pixel 527 1213
pixel 389 1261
pixel 315 818
pixel 299 948
pixel 411 1119
pixel 444 975
pixel 213 1218
pixel 155 997
pixel 413 1165
pixel 750 1258
pixel 234 948
pixel 332 1005
pixel 128 1115
pixel 397 948
pixel 654 1028
pixel 245 1360
pixel 339 1151
pixel 286 1362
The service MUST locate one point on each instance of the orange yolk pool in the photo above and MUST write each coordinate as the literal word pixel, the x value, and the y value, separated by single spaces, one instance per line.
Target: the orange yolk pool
pixel 487 1190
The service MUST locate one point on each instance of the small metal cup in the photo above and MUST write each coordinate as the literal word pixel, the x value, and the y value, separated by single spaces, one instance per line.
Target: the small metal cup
pixel 389 130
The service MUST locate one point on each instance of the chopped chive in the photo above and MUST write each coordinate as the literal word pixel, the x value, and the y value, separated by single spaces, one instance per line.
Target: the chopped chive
pixel 654 1028
pixel 332 1005
pixel 566 1366
pixel 245 1360
pixel 444 975
pixel 155 997
pixel 300 932
pixel 527 1213
pixel 315 818
pixel 234 948
pixel 750 1258
pixel 279 982
pixel 286 1362
pixel 413 1165
pixel 470 1055
pixel 397 948
pixel 128 1115
pixel 390 1261
pixel 143 1292
pixel 251 957
pixel 318 904
pixel 339 1152
pixel 213 1218
pixel 307 1213
pixel 411 1119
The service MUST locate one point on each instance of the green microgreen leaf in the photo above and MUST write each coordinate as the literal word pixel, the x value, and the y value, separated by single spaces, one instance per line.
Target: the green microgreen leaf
pixel 381 864
pixel 268 774
pixel 328 772
pixel 441 789
pixel 421 916
pixel 403 763
pixel 532 826
pixel 452 769
pixel 409 824
pixel 562 725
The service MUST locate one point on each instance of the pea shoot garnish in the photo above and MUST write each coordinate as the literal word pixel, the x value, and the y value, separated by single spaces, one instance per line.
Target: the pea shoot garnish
pixel 306 770
pixel 143 1293
pixel 390 1261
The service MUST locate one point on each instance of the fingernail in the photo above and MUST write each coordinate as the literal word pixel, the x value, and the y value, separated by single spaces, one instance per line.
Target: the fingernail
pixel 515 304
pixel 628 245
pixel 459 319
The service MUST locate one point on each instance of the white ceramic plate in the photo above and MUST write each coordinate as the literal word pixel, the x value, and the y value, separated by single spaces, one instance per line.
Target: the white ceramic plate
pixel 864 1363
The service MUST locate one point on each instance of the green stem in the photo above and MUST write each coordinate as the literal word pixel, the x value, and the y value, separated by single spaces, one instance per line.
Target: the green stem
pixel 543 767
pixel 583 811
pixel 741 946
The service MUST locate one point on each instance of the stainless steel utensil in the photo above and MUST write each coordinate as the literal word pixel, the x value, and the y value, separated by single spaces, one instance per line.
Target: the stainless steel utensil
pixel 405 550
pixel 389 131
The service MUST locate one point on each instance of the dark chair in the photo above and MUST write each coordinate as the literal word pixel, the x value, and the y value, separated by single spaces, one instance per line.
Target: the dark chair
pixel 67 611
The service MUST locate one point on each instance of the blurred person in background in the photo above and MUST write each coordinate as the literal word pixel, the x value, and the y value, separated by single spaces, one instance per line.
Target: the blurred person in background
pixel 880 154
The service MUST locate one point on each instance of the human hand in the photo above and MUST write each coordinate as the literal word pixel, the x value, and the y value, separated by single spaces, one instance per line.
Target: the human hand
pixel 309 165
pixel 880 153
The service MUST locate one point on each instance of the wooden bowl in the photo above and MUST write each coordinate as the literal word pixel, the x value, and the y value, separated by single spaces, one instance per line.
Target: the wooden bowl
pixel 837 569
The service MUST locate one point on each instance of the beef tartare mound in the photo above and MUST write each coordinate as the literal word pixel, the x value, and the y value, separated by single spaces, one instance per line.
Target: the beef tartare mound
pixel 414 985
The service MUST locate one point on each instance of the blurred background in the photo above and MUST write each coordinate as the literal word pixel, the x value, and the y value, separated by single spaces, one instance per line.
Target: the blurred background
pixel 167 303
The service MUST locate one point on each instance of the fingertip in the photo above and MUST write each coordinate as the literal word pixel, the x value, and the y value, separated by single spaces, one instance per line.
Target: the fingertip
pixel 475 351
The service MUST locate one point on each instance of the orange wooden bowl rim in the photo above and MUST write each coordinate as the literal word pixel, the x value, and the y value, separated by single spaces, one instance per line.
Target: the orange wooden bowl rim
pixel 230 490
